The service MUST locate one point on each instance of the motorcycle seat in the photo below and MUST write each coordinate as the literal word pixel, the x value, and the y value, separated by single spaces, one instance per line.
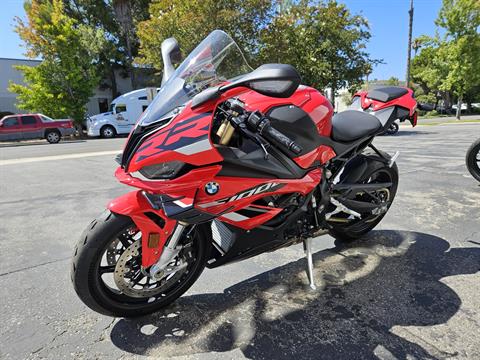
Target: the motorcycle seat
pixel 386 94
pixel 351 125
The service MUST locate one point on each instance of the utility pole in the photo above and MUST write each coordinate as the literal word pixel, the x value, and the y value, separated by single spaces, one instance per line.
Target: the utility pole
pixel 409 53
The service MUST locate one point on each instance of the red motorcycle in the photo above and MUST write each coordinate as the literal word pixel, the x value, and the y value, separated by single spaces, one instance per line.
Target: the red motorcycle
pixel 231 163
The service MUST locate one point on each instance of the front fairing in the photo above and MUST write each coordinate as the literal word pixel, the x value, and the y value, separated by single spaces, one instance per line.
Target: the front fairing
pixel 186 138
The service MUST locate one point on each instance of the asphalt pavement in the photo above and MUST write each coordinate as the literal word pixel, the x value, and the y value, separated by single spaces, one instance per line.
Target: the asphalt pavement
pixel 409 290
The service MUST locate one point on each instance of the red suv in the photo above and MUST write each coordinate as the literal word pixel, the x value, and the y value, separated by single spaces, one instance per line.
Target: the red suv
pixel 34 126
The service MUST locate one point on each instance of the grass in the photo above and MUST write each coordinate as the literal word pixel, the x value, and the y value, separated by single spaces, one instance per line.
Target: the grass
pixel 449 122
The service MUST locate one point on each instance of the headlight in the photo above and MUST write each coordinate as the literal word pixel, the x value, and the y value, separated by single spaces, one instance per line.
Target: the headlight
pixel 166 170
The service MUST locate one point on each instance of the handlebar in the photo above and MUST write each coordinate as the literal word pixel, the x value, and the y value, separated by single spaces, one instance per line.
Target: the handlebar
pixel 256 122
pixel 425 107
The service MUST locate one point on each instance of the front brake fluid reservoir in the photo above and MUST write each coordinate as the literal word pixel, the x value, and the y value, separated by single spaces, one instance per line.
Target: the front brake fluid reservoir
pixel 221 128
pixel 227 134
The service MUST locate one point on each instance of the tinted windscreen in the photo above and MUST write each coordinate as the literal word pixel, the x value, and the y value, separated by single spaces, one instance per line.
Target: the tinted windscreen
pixel 215 60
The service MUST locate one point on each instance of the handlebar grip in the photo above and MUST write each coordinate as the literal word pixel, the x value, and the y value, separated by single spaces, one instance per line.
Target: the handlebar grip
pixel 262 125
pixel 281 139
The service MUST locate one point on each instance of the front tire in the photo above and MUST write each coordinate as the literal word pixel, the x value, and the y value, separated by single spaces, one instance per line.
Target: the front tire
pixel 98 255
pixel 53 136
pixel 379 172
pixel 473 160
pixel 108 132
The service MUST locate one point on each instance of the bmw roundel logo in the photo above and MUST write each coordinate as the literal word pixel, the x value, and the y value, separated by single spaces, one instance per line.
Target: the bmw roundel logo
pixel 212 188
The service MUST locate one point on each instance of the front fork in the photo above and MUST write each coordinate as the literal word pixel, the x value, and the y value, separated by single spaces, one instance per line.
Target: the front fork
pixel 160 234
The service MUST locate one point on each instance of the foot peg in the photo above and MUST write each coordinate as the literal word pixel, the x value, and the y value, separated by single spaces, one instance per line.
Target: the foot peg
pixel 307 246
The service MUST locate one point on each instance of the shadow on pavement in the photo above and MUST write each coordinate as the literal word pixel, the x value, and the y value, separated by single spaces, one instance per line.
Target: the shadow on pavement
pixel 413 132
pixel 389 278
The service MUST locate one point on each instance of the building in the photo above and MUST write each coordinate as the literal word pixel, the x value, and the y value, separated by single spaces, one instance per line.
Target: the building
pixel 98 103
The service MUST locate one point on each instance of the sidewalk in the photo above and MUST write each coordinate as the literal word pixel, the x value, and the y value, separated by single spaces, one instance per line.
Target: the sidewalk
pixel 448 119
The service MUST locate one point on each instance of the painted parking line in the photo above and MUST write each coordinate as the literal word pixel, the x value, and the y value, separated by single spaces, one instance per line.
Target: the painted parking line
pixel 57 157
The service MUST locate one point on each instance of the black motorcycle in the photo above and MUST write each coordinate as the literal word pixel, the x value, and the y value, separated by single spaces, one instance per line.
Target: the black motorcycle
pixel 473 159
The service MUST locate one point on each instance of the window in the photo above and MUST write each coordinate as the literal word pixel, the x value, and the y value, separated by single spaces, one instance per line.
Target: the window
pixel 46 119
pixel 8 122
pixel 120 108
pixel 29 120
pixel 143 97
pixel 144 107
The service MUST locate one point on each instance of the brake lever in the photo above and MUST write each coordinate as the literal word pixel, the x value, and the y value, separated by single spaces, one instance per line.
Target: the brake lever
pixel 257 139
pixel 239 123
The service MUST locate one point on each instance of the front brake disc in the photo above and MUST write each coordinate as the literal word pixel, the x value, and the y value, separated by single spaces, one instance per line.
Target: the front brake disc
pixel 130 279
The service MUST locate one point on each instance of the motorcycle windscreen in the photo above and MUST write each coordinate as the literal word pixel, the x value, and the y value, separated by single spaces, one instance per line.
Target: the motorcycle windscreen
pixel 215 60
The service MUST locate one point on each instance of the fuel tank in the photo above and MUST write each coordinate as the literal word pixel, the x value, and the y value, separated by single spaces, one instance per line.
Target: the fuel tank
pixel 305 117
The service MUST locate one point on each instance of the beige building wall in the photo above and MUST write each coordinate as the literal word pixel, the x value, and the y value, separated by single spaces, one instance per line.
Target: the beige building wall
pixel 9 73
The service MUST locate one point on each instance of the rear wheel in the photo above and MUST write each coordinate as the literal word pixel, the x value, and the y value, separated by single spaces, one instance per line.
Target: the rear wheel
pixel 473 159
pixel 392 129
pixel 347 228
pixel 107 274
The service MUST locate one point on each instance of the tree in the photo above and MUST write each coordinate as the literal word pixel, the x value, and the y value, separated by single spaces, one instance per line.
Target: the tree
pixel 117 19
pixel 393 81
pixel 449 64
pixel 430 68
pixel 189 21
pixel 61 85
pixel 323 40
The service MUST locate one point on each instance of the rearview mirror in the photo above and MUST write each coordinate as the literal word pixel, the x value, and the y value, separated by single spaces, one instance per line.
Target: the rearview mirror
pixel 170 55
pixel 275 80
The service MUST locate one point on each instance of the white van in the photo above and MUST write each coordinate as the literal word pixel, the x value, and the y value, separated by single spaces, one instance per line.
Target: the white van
pixel 124 112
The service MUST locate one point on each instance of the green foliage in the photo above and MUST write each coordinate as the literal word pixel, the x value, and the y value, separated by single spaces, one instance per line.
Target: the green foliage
pixel 323 40
pixel 191 21
pixel 117 19
pixel 450 64
pixel 60 86
pixel 393 81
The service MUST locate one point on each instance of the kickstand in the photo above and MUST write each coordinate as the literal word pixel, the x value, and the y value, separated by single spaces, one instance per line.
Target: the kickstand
pixel 307 246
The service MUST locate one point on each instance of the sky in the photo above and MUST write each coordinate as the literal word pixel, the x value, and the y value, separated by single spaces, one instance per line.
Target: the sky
pixel 388 21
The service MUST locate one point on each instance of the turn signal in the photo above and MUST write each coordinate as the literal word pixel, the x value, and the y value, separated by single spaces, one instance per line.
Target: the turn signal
pixel 153 240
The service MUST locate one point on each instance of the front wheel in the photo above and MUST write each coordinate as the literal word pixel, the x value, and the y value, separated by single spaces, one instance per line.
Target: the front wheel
pixel 108 132
pixel 473 159
pixel 53 136
pixel 108 277
pixel 346 228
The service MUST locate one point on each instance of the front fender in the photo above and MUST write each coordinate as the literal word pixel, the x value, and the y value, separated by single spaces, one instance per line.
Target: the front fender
pixel 154 225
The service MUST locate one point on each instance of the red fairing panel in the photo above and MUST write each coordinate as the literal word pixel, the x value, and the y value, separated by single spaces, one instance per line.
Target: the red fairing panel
pixel 135 205
pixel 186 138
pixel 240 193
pixel 406 101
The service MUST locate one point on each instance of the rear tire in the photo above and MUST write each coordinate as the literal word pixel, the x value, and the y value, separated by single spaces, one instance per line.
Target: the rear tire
pixel 353 232
pixel 392 129
pixel 472 160
pixel 98 295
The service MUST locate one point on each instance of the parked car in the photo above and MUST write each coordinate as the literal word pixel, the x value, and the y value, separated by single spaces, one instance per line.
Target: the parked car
pixel 34 126
pixel 124 113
